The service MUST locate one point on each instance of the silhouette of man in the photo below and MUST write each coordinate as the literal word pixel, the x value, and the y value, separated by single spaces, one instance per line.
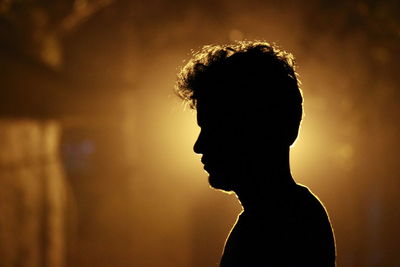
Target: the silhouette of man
pixel 249 109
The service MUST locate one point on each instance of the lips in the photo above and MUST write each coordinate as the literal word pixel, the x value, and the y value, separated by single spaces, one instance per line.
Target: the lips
pixel 206 169
pixel 205 164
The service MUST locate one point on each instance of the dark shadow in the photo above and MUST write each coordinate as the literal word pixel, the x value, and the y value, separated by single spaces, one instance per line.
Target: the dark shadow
pixel 249 108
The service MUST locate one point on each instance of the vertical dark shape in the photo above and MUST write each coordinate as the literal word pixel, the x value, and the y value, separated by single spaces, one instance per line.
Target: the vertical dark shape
pixel 249 108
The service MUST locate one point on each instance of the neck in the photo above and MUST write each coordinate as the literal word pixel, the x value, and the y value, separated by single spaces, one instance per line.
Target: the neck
pixel 268 180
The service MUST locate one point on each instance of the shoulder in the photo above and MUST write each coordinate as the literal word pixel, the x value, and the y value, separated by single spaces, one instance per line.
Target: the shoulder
pixel 315 223
pixel 310 211
pixel 308 202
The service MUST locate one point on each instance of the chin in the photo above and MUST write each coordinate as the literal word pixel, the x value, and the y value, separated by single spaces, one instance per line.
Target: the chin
pixel 220 182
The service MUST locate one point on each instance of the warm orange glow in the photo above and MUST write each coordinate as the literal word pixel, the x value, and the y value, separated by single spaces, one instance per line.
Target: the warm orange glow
pixel 126 188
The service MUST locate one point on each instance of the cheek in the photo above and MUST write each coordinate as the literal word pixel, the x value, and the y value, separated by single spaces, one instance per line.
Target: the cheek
pixel 227 146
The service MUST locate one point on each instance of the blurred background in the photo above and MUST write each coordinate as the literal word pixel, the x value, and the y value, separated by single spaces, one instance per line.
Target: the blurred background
pixel 96 161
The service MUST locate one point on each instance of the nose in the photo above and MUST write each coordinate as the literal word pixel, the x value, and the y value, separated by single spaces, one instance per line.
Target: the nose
pixel 199 144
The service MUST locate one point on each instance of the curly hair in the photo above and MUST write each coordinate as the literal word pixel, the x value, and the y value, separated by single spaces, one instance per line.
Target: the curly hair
pixel 250 75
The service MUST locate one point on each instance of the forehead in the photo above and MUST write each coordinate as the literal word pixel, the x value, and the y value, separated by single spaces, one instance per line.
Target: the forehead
pixel 212 113
pixel 205 113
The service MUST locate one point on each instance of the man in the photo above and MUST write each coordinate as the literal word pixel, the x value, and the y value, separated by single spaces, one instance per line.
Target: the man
pixel 249 109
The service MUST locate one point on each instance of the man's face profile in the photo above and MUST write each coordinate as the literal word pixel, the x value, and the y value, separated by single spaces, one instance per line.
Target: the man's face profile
pixel 234 143
pixel 248 102
pixel 227 145
pixel 216 143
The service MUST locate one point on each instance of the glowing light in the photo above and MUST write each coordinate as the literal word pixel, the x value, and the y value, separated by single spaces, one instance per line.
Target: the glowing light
pixel 236 35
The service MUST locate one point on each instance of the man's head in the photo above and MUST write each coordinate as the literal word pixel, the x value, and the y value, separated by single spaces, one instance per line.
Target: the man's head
pixel 249 107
